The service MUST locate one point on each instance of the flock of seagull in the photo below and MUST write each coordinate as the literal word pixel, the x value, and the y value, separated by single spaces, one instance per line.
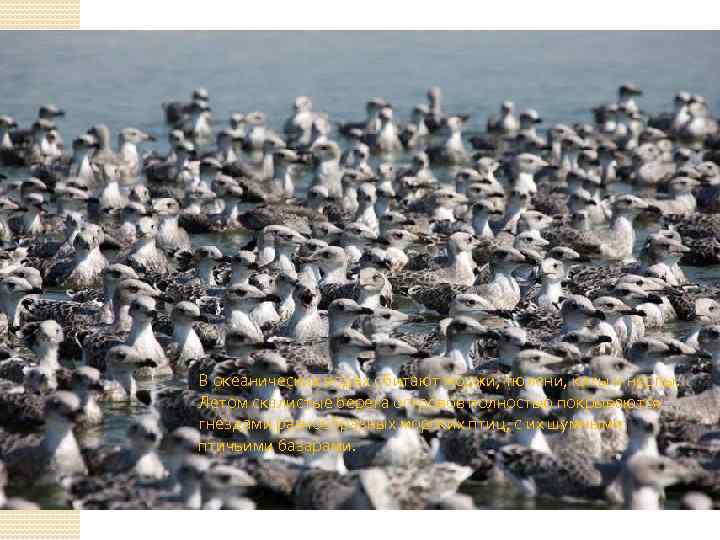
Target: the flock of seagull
pixel 513 267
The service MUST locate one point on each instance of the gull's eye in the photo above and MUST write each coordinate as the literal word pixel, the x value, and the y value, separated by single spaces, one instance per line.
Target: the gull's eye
pixel 661 467
pixel 225 478
pixel 386 316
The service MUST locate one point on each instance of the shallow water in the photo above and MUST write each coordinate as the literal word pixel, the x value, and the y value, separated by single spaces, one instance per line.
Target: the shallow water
pixel 121 78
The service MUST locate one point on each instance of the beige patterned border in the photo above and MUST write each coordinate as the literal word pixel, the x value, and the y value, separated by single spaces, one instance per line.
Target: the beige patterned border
pixel 39 14
pixel 39 524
